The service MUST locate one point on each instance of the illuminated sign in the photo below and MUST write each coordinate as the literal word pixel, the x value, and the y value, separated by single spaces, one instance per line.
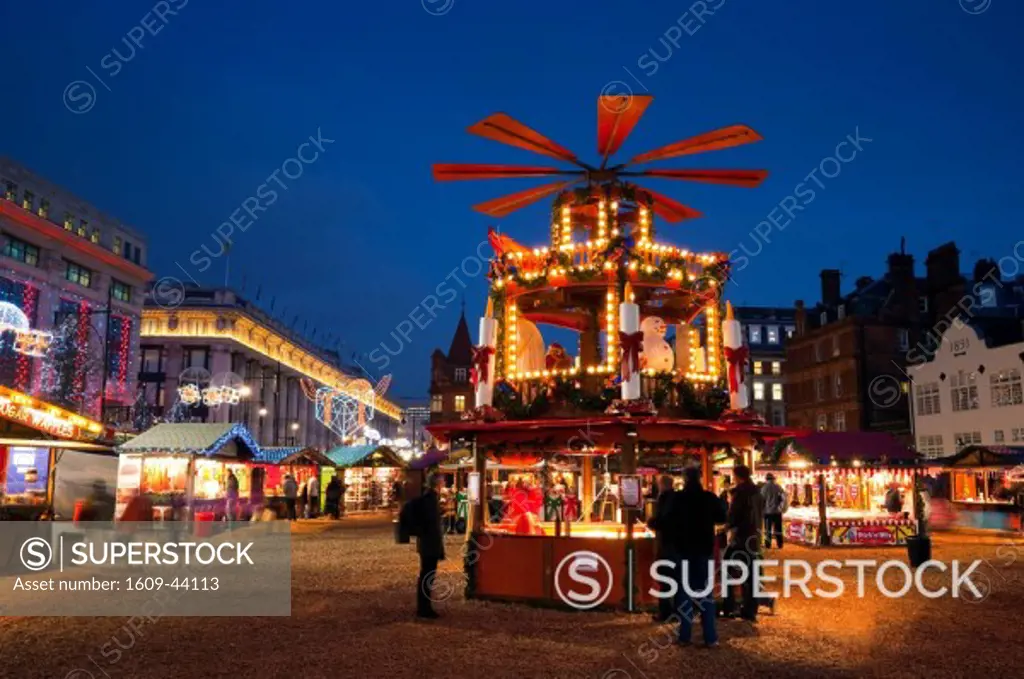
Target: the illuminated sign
pixel 32 412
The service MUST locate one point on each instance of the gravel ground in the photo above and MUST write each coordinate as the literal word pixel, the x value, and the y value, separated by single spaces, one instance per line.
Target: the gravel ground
pixel 352 602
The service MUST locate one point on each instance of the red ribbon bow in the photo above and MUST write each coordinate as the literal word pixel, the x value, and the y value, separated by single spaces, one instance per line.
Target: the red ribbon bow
pixel 481 360
pixel 632 346
pixel 737 359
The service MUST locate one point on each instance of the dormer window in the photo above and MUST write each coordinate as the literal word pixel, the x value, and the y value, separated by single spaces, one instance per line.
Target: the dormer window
pixel 823 318
pixel 841 311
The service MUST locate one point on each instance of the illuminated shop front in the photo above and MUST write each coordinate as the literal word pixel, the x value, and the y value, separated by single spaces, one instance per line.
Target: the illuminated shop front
pixel 184 470
pixel 50 458
pixel 369 474
pixel 985 486
pixel 838 485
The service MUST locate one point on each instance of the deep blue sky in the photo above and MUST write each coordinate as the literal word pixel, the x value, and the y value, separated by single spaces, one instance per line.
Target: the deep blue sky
pixel 214 103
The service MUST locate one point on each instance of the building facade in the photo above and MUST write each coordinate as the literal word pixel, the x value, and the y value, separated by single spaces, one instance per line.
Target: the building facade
pixel 848 361
pixel 215 337
pixel 765 332
pixel 74 279
pixel 451 392
pixel 970 391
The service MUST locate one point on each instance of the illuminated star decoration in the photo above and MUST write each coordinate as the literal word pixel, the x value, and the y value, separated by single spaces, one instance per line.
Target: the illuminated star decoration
pixel 345 412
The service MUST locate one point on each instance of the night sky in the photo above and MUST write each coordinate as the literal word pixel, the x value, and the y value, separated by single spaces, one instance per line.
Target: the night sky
pixel 198 119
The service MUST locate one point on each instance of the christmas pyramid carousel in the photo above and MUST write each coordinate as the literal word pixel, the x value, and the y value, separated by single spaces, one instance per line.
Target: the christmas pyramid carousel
pixel 626 398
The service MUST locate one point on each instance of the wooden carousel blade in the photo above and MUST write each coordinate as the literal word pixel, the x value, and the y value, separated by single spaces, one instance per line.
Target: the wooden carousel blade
pixel 501 207
pixel 616 118
pixel 450 172
pixel 503 128
pixel 726 137
pixel 744 178
pixel 669 209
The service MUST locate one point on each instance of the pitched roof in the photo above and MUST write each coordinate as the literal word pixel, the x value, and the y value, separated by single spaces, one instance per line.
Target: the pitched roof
pixel 204 438
pixel 843 447
pixel 275 454
pixel 365 456
pixel 984 456
pixel 461 350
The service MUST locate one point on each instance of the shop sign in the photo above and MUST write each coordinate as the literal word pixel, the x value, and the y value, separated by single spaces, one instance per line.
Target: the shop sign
pixel 473 485
pixel 629 492
pixel 37 419
pixel 871 535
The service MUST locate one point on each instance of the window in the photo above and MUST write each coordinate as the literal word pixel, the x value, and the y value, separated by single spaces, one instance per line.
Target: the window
pixel 755 334
pixel 83 228
pixel 822 421
pixel 776 367
pixel 819 388
pixel 436 403
pixel 758 368
pixel 22 251
pixel 120 291
pixel 127 250
pixel 817 352
pixel 11 193
pixel 95 236
pixel 835 345
pixel 823 318
pixel 841 311
pixel 69 221
pixel 998 436
pixel 776 392
pixel 758 391
pixel 460 403
pixel 930 445
pixel 777 419
pixel 963 390
pixel 1006 388
pixel 1017 434
pixel 151 362
pixel 922 306
pixel 837 386
pixel 790 330
pixel 967 438
pixel 460 374
pixel 137 256
pixel 116 248
pixel 78 274
pixel 44 208
pixel 195 358
pixel 773 334
pixel 28 200
pixel 839 420
pixel 903 338
pixel 927 396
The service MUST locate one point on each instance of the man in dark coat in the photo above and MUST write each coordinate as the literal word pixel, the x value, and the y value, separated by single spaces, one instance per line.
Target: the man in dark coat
pixel 693 515
pixel 429 544
pixel 659 524
pixel 746 520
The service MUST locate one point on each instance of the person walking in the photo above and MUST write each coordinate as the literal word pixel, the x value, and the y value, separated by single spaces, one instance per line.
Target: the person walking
pixel 659 523
pixel 314 497
pixel 303 499
pixel 692 516
pixel 745 521
pixel 332 499
pixel 291 491
pixel 429 544
pixel 775 505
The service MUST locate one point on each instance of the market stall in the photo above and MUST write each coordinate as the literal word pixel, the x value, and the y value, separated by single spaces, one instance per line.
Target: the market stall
pixel 985 486
pixel 371 475
pixel 183 469
pixel 51 459
pixel 845 482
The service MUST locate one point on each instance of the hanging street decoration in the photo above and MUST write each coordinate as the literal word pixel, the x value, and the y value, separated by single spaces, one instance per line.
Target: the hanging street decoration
pixel 27 341
pixel 345 412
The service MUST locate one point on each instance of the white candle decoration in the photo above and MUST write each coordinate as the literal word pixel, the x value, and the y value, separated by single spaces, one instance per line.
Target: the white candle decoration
pixel 488 337
pixel 629 323
pixel 732 338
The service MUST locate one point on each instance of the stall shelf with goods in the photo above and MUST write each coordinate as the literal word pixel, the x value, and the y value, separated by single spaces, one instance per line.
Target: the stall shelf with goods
pixel 371 475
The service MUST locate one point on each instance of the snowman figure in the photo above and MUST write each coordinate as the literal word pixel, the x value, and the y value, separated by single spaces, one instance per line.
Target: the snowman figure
pixel 657 354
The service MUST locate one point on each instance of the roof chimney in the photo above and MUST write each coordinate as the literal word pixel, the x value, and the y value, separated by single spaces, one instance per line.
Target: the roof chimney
pixel 800 317
pixel 830 287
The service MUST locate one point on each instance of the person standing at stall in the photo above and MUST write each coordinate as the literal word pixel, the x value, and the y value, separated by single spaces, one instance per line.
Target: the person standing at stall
pixel 659 523
pixel 429 544
pixel 314 497
pixel 745 521
pixel 693 513
pixel 775 505
pixel 291 491
pixel 333 497
pixel 231 503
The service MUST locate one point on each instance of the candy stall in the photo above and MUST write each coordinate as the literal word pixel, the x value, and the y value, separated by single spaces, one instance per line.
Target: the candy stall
pixel 857 485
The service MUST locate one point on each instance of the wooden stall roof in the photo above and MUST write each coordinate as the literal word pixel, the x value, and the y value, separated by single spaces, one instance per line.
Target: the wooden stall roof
pixel 370 455
pixel 843 448
pixel 983 456
pixel 601 434
pixel 201 438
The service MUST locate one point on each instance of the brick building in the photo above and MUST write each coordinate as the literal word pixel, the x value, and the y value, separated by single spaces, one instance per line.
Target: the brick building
pixel 847 361
pixel 765 332
pixel 450 390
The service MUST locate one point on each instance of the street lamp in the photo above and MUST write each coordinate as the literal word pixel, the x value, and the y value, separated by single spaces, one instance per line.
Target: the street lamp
pixel 263 411
pixel 295 426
